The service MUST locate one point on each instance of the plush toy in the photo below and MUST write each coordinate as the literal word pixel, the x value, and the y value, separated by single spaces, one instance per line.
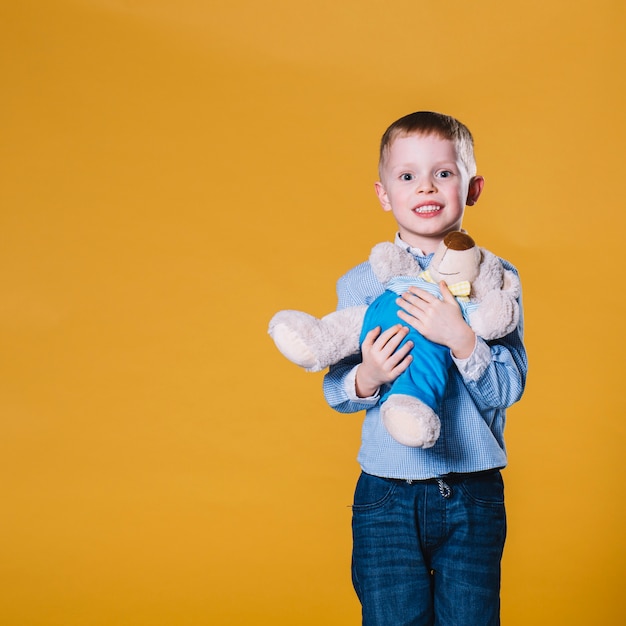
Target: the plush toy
pixel 486 292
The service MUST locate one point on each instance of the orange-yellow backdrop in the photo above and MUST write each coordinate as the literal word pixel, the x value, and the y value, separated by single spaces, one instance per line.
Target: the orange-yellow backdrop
pixel 175 171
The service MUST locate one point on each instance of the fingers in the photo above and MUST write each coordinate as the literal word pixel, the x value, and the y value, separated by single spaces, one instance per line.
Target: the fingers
pixel 371 337
pixel 418 303
pixel 445 292
pixel 411 308
pixel 387 341
pixel 415 294
pixel 438 320
pixel 400 359
pixel 414 301
pixel 396 356
pixel 384 359
pixel 383 352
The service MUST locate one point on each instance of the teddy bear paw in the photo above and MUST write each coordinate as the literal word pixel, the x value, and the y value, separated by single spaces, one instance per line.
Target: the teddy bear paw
pixel 301 338
pixel 291 346
pixel 497 315
pixel 410 422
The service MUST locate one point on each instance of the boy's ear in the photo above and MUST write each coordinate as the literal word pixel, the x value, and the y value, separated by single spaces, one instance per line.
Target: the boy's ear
pixel 382 196
pixel 475 189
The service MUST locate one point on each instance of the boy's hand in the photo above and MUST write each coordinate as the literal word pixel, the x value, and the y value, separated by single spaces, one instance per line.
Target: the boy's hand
pixel 382 361
pixel 438 320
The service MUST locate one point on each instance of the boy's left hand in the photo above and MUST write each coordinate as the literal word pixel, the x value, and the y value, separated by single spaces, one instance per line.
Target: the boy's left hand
pixel 438 320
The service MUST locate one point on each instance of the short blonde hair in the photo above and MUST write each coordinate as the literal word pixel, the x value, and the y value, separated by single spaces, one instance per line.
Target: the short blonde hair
pixel 431 123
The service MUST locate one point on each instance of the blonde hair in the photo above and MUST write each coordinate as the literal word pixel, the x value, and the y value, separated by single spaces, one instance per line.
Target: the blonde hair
pixel 431 123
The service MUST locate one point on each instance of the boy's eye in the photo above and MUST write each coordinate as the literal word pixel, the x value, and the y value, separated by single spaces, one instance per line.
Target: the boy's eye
pixel 406 176
pixel 445 174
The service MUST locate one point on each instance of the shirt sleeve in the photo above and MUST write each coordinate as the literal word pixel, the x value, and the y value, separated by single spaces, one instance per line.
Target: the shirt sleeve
pixel 357 287
pixel 350 388
pixel 495 374
pixel 476 363
pixel 339 387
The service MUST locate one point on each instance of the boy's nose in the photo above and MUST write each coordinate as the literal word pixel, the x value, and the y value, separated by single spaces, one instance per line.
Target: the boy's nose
pixel 425 185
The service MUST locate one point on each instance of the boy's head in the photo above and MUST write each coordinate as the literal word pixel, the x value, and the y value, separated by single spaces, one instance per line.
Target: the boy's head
pixel 431 123
pixel 427 176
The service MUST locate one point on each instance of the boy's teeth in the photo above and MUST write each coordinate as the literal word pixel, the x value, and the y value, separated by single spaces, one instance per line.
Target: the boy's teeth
pixel 427 209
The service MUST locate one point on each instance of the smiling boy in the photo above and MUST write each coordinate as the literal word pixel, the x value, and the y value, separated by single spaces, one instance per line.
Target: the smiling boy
pixel 428 524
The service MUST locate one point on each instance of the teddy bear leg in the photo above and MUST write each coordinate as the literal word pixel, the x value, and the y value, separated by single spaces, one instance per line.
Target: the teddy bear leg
pixel 291 344
pixel 409 421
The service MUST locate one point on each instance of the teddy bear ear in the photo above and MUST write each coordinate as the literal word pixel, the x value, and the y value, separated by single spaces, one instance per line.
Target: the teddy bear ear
pixel 389 260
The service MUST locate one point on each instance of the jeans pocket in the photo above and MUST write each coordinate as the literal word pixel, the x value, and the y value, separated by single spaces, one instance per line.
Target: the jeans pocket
pixel 372 493
pixel 485 490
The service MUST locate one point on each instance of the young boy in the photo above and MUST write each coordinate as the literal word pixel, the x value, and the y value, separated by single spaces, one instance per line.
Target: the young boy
pixel 428 525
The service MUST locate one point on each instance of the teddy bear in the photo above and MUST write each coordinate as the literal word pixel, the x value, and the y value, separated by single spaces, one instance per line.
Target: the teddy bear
pixel 486 292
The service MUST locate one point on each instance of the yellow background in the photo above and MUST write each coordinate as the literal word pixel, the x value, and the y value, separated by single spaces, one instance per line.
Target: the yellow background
pixel 175 171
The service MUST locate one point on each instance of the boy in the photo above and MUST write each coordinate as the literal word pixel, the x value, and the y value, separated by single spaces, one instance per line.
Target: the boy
pixel 428 524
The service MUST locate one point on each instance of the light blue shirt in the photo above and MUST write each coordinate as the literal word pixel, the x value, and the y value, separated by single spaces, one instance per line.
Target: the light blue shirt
pixel 473 412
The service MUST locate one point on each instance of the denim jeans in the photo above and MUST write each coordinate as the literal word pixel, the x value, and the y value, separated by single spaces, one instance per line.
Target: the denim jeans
pixel 427 553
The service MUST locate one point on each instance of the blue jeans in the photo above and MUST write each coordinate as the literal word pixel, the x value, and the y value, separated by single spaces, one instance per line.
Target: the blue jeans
pixel 427 553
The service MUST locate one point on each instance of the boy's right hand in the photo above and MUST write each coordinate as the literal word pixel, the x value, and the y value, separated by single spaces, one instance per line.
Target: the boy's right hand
pixel 382 361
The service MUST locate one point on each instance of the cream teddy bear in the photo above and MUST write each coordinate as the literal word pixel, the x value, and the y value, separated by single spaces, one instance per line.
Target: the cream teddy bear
pixel 486 292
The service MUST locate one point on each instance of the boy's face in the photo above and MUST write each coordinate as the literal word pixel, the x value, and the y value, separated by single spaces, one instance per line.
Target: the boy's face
pixel 426 186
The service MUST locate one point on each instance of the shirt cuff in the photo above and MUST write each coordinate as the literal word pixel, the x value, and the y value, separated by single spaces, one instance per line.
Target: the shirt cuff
pixel 350 389
pixel 474 366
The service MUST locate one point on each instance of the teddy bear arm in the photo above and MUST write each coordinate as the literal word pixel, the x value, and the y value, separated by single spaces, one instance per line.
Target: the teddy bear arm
pixel 496 316
pixel 314 343
pixel 490 276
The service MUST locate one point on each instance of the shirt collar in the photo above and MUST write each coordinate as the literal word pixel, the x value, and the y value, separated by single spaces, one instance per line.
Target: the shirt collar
pixel 408 248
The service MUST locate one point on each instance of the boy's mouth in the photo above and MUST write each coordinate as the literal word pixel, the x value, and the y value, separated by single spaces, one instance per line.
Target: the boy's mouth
pixel 427 208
